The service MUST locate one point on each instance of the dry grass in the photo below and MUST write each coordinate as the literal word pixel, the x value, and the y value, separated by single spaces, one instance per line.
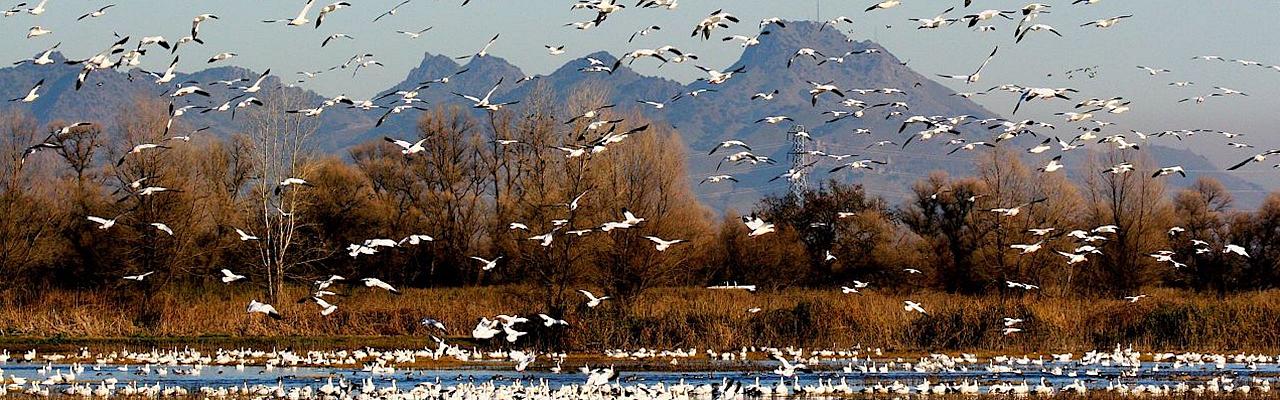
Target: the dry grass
pixel 1168 320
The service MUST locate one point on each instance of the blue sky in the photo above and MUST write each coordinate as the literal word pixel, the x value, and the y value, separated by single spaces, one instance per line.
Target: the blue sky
pixel 1162 33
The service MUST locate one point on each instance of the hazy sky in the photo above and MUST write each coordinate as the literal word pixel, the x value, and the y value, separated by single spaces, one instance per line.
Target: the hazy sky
pixel 1162 33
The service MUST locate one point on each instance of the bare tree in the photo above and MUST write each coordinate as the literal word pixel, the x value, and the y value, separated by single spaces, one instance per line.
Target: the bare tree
pixel 1135 203
pixel 28 221
pixel 282 147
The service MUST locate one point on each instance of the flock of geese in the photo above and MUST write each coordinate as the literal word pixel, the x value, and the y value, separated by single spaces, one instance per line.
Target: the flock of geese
pixel 403 374
pixel 600 131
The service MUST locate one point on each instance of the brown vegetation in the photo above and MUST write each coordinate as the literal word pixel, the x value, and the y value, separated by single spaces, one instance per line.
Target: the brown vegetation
pixel 476 176
pixel 1168 321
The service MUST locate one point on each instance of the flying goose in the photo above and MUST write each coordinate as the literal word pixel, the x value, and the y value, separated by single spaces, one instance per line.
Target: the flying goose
pixel 484 51
pixel 1054 165
pixel 300 19
pixel 820 88
pixel 715 77
pixel 662 245
pixel 1027 248
pixel 973 78
pixel 244 237
pixel 936 22
pixel 1036 28
pixel 326 308
pixel 1014 211
pixel 32 95
pixel 1106 22
pixel 860 164
pixel 757 226
pixel 42 59
pixel 257 307
pixel 38 9
pixel 37 31
pixel 592 300
pixel 1073 258
pixel 488 264
pixel 221 57
pixel 718 179
pixel 162 227
pixel 392 11
pixel 228 276
pixel 807 52
pixel 407 148
pixel 717 19
pixel 773 120
pixel 1235 249
pixel 884 5
pixel 415 34
pixel 746 41
pixel 1029 94
pixel 257 84
pixel 1258 158
pixel 378 283
pixel 139 277
pixel 909 305
pixel 484 103
pixel 1176 169
pixel 986 15
pixel 96 13
pixel 548 321
pixel 1156 71
pixel 328 9
pixel 103 223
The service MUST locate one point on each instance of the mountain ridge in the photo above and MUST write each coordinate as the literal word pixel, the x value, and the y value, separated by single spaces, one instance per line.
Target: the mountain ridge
pixel 703 121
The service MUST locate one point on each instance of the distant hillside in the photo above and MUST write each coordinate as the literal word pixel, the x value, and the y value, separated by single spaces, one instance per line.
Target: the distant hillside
pixel 729 112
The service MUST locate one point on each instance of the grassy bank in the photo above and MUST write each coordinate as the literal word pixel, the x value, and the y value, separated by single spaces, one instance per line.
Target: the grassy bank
pixel 1167 320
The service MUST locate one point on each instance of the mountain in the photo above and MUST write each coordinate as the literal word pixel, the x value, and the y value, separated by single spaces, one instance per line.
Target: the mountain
pixel 727 113
pixel 106 93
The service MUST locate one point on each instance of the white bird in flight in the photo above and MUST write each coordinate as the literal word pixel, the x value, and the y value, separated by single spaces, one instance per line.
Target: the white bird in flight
pixel 592 300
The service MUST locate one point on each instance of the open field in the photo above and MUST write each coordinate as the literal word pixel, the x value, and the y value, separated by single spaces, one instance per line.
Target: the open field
pixel 664 318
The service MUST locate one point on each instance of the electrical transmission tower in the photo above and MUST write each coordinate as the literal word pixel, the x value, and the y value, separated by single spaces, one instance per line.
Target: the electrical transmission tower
pixel 799 160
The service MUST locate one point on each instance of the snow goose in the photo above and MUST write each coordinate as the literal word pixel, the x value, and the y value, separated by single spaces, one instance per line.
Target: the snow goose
pixel 718 179
pixel 1257 158
pixel 757 226
pixel 31 95
pixel 662 245
pixel 392 11
pixel 485 103
pixel 228 276
pixel 162 227
pixel 258 307
pixel 884 5
pixel 973 78
pixel 488 264
pixel 103 223
pixel 378 283
pixel 244 237
pixel 1176 169
pixel 96 13
pixel 37 31
pixel 1106 22
pixel 909 305
pixel 329 9
pixel 415 34
pixel 592 300
pixel 717 19
pixel 139 277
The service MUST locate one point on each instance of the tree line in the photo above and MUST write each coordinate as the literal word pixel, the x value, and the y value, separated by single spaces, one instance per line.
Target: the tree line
pixel 483 186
